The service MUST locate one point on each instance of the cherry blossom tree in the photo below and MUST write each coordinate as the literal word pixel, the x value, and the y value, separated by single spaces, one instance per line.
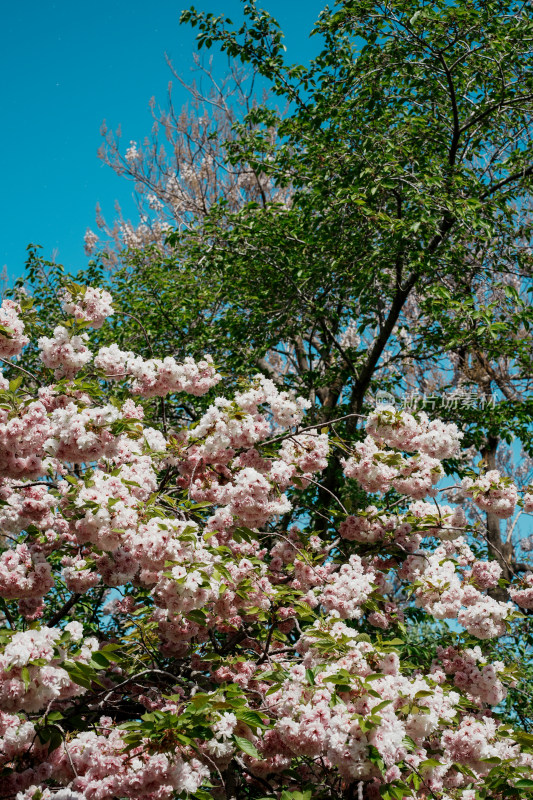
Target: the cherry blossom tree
pixel 165 635
pixel 225 571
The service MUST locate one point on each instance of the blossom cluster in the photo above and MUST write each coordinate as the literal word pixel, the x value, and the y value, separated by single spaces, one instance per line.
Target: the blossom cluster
pixel 493 493
pixel 156 377
pixel 12 337
pixel 32 674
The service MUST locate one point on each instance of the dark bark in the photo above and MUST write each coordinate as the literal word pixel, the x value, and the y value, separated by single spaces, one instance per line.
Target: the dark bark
pixel 230 782
pixel 500 551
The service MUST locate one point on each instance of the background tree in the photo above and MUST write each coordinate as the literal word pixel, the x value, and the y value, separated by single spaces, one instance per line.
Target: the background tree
pixel 182 169
pixel 402 259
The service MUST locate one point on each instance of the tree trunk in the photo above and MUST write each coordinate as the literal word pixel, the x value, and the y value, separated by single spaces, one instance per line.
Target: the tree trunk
pixel 230 781
pixel 500 551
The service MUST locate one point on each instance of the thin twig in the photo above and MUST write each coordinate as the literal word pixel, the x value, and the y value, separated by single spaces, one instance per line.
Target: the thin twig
pixel 139 323
pixel 309 428
pixel 25 371
pixel 265 655
pixel 320 486
pixel 134 678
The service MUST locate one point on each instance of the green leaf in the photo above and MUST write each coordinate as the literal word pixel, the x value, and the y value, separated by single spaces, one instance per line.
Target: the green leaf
pixel 100 660
pixel 429 763
pixel 246 746
pixel 251 718
pixel 381 705
pixel 25 675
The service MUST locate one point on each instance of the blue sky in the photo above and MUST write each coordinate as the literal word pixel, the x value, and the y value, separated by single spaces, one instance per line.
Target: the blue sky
pixel 67 66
